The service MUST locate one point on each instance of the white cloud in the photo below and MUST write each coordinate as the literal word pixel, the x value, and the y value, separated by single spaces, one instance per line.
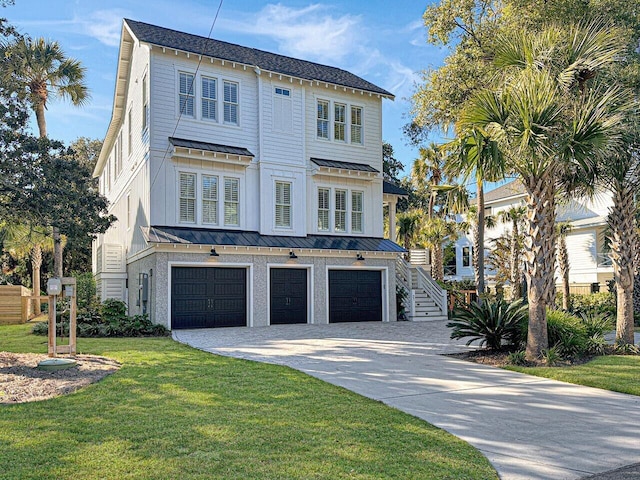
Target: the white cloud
pixel 104 25
pixel 311 32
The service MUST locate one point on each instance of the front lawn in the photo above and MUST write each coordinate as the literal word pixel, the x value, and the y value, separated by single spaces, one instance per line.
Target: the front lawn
pixel 175 412
pixel 612 372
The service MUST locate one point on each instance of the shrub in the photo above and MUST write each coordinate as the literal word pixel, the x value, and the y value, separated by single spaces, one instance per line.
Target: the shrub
pixel 551 356
pixel 109 320
pixel 626 349
pixel 567 333
pixel 597 345
pixel 86 290
pixel 492 323
pixel 596 323
pixel 517 358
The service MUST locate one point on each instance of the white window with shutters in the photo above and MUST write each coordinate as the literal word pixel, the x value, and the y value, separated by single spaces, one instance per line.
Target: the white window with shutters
pixel 341 211
pixel 283 204
pixel 339 122
pixel 209 98
pixel 356 125
pixel 324 209
pixel 323 119
pixel 210 199
pixel 231 103
pixel 357 212
pixel 231 202
pixel 186 95
pixel 187 204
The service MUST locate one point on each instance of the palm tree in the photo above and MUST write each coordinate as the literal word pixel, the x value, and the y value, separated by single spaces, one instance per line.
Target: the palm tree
pixel 514 215
pixel 427 172
pixel 435 233
pixel 547 117
pixel 42 69
pixel 476 154
pixel 408 227
pixel 25 240
pixel 562 230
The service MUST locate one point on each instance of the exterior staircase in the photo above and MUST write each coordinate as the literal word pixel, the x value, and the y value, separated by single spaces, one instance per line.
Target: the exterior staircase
pixel 426 300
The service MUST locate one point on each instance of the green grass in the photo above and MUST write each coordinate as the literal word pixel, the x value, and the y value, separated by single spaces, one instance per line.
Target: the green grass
pixel 618 373
pixel 174 412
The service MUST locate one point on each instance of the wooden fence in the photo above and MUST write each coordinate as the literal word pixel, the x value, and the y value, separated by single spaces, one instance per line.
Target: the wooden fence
pixel 15 304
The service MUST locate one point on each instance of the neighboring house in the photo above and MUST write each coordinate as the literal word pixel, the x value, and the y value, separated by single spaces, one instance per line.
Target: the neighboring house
pixel 589 260
pixel 247 185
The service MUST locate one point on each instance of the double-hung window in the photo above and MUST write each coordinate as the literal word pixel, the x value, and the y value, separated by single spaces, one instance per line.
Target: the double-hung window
pixel 231 103
pixel 339 122
pixel 210 199
pixel 283 204
pixel 145 104
pixel 186 95
pixel 231 202
pixel 209 98
pixel 187 197
pixel 323 209
pixel 356 212
pixel 341 211
pixel 323 119
pixel 356 125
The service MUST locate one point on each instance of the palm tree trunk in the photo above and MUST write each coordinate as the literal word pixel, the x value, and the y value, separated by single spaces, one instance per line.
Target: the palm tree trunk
pixel 57 253
pixel 539 258
pixel 42 123
pixel 478 244
pixel 563 266
pixel 622 227
pixel 437 267
pixel 515 275
pixel 36 264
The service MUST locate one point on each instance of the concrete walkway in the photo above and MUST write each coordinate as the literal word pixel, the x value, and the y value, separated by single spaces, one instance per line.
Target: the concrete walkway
pixel 528 427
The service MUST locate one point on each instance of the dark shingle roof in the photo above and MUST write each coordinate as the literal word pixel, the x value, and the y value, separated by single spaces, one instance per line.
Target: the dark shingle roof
pixel 205 236
pixel 511 189
pixel 210 147
pixel 294 67
pixel 393 189
pixel 359 167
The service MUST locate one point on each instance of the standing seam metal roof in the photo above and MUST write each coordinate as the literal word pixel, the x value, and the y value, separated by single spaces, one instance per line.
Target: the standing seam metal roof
pixel 273 62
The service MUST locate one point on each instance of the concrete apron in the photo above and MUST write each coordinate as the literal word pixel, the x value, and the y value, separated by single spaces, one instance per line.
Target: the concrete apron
pixel 528 427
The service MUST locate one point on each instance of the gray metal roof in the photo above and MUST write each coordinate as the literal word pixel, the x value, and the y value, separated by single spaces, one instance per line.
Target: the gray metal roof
pixel 205 236
pixel 272 62
pixel 393 189
pixel 210 147
pixel 344 165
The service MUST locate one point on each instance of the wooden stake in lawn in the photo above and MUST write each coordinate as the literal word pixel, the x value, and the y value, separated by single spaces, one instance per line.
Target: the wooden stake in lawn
pixel 64 287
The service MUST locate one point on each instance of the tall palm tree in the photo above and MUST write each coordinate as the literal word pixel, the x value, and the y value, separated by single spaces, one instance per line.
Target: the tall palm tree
pixel 475 154
pixel 42 69
pixel 427 172
pixel 435 233
pixel 562 230
pixel 547 117
pixel 514 215
pixel 28 241
pixel 408 227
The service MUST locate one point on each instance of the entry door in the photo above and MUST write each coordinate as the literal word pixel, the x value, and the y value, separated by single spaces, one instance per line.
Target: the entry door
pixel 355 296
pixel 288 295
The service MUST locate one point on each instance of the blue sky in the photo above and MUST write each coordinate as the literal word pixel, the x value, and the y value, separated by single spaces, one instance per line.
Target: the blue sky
pixel 382 41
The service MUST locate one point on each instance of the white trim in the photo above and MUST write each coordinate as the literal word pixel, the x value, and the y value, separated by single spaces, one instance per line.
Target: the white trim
pixel 309 267
pixel 384 286
pixel 248 266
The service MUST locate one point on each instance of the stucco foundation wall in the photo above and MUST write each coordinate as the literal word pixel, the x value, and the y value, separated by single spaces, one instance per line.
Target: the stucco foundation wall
pixel 157 266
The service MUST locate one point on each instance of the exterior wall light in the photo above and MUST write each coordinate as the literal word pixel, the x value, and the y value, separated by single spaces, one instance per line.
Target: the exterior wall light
pixel 213 252
pixel 292 255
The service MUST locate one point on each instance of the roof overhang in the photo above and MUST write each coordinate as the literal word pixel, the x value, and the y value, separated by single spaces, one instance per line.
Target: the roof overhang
pixel 211 152
pixel 127 42
pixel 335 168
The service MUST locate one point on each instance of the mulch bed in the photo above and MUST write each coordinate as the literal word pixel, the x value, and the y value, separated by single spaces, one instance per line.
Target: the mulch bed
pixel 500 359
pixel 21 381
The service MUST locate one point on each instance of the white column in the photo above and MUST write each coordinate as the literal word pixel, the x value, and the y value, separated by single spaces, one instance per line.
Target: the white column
pixel 392 219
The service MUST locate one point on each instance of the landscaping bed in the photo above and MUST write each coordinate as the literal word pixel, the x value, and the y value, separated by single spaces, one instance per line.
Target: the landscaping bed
pixel 21 381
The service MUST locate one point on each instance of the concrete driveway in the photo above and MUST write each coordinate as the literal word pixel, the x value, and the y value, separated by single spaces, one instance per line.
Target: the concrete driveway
pixel 528 427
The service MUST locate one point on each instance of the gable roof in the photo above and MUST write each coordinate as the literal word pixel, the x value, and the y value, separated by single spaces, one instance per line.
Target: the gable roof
pixel 253 57
pixel 508 190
